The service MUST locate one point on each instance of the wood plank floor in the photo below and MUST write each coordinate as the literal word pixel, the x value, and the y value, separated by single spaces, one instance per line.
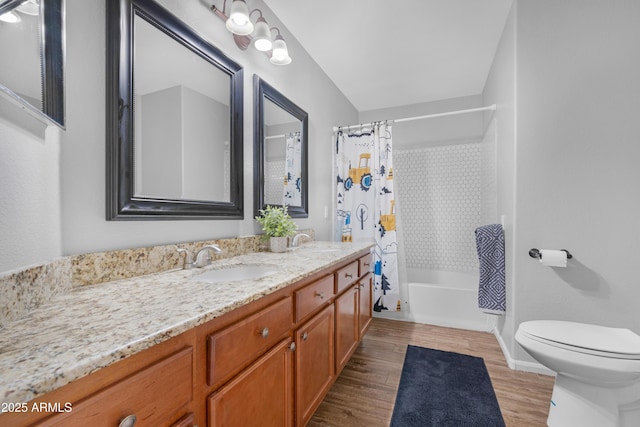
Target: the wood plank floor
pixel 365 392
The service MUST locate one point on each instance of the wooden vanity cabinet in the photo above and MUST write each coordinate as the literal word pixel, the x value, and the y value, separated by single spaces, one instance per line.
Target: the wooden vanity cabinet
pixel 234 347
pixel 353 310
pixel 365 306
pixel 314 367
pixel 311 297
pixel 152 395
pixel 345 276
pixel 269 362
pixel 261 395
pixel 155 386
pixel 347 330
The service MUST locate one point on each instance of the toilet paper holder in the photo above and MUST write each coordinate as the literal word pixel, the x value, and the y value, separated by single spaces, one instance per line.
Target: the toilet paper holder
pixel 535 253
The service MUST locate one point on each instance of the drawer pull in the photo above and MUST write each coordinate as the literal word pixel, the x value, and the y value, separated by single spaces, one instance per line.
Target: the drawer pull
pixel 305 336
pixel 366 264
pixel 348 275
pixel 265 333
pixel 128 421
pixel 320 294
pixel 292 347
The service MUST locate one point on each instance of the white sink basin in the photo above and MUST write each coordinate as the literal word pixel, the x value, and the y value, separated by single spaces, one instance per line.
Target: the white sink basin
pixel 237 273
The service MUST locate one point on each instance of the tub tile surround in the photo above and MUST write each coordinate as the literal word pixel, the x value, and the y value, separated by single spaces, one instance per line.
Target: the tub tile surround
pixel 24 290
pixel 91 327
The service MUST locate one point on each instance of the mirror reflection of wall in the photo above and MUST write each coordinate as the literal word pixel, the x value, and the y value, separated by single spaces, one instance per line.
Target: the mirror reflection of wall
pixel 32 52
pixel 174 119
pixel 20 35
pixel 182 121
pixel 282 157
pixel 280 151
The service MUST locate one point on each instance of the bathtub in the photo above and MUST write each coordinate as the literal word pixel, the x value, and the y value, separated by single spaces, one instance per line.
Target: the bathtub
pixel 445 298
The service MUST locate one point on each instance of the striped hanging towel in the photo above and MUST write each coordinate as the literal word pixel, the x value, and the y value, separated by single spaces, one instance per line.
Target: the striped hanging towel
pixel 491 291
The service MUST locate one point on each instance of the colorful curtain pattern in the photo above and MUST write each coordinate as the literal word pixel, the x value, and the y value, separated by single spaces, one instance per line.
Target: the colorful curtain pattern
pixel 292 181
pixel 366 204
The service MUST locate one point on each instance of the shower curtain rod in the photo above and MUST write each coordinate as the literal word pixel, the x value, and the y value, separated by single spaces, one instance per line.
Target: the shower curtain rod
pixel 284 135
pixel 491 107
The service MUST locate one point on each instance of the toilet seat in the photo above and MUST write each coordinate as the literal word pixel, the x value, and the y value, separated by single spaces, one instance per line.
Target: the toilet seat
pixel 617 343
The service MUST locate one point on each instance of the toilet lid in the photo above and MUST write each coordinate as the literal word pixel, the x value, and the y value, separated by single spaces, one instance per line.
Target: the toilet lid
pixel 614 342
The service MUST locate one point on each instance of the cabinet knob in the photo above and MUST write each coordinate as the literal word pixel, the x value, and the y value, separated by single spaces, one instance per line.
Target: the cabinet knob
pixel 348 275
pixel 292 347
pixel 305 336
pixel 320 294
pixel 128 421
pixel 265 333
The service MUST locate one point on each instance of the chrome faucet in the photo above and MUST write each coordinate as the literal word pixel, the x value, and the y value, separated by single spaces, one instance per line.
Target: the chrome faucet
pixel 297 237
pixel 202 257
pixel 188 259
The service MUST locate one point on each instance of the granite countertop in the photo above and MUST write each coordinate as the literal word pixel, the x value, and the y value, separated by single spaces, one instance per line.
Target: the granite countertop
pixel 94 326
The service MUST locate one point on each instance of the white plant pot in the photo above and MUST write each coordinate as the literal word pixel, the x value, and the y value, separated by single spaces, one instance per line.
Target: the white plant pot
pixel 278 244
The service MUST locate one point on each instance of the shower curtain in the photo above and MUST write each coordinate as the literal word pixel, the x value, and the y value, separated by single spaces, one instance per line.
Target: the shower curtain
pixel 292 191
pixel 366 204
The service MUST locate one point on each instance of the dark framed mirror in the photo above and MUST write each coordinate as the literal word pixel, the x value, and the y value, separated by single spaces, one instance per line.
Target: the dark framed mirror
pixel 174 119
pixel 280 151
pixel 32 51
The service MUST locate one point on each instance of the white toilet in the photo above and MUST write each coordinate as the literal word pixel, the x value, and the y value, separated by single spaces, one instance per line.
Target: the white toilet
pixel 598 372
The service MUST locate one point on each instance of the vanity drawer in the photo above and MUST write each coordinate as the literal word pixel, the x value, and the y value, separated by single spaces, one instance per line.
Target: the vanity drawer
pixel 346 276
pixel 313 296
pixel 240 344
pixel 153 395
pixel 365 264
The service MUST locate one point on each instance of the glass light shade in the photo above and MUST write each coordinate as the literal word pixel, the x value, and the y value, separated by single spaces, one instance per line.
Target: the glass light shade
pixel 262 36
pixel 238 22
pixel 30 7
pixel 10 17
pixel 280 54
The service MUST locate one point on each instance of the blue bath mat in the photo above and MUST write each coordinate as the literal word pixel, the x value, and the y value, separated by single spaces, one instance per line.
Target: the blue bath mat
pixel 444 389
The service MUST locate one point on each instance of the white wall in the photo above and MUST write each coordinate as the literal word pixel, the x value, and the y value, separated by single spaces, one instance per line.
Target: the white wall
pixel 435 131
pixel 500 89
pixel 577 96
pixel 33 194
pixel 29 195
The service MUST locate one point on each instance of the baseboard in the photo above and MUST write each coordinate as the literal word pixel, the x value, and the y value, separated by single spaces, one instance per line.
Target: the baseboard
pixel 393 315
pixel 520 365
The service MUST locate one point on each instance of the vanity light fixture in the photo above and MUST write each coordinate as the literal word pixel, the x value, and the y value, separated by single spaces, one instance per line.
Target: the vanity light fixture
pixel 246 33
pixel 280 53
pixel 30 7
pixel 238 21
pixel 10 17
pixel 262 34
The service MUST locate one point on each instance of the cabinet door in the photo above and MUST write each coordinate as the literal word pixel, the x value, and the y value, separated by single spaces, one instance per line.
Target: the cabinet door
pixel 347 329
pixel 259 396
pixel 314 363
pixel 365 307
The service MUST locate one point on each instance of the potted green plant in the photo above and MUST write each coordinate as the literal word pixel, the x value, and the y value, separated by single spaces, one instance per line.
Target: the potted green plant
pixel 277 226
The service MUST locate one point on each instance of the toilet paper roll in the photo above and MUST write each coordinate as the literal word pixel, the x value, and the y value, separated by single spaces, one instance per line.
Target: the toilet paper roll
pixel 553 258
